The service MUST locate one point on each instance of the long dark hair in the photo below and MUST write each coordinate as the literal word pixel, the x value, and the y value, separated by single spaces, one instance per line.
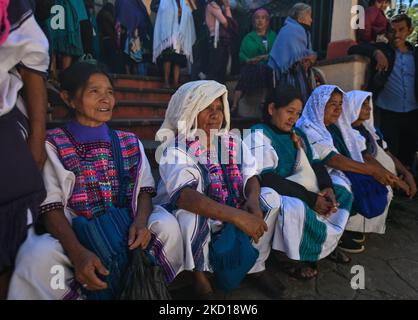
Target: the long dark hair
pixel 281 97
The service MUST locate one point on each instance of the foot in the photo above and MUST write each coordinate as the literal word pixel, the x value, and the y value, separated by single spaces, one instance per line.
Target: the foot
pixel 356 236
pixel 349 245
pixel 268 284
pixel 302 271
pixel 338 256
pixel 202 286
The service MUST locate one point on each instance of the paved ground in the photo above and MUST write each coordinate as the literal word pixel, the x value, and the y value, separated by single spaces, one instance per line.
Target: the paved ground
pixel 390 266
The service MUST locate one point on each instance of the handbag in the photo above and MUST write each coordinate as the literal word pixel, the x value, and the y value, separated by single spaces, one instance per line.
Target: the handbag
pixel 231 252
pixel 107 235
pixel 144 280
pixel 370 196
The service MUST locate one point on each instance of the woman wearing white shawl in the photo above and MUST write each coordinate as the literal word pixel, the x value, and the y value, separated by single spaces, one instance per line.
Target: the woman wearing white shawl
pixel 360 114
pixel 340 147
pixel 174 36
pixel 195 187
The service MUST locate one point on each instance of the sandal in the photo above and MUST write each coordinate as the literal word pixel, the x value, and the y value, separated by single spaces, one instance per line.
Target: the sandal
pixel 338 256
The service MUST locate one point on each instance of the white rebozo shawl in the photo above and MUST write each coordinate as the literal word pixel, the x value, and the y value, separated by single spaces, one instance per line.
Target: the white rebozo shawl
pixel 356 99
pixel 169 33
pixel 312 123
pixel 185 105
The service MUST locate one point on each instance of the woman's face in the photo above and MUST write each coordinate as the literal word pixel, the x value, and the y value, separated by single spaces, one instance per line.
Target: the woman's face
pixel 261 21
pixel 306 18
pixel 212 117
pixel 333 109
pixel 94 105
pixel 285 118
pixel 365 111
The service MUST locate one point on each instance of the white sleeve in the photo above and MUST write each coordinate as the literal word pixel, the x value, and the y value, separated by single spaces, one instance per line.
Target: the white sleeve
pixel 322 151
pixel 144 182
pixel 177 171
pixel 59 183
pixel 27 45
pixel 262 150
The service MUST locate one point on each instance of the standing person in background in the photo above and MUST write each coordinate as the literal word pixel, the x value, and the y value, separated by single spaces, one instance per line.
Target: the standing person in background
pixel 222 28
pixel 254 53
pixel 23 103
pixel 376 23
pixel 174 36
pixel 106 25
pixel 292 56
pixel 132 17
pixel 67 43
pixel 395 87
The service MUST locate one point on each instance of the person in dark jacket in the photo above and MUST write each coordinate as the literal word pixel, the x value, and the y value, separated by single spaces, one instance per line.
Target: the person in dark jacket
pixel 394 83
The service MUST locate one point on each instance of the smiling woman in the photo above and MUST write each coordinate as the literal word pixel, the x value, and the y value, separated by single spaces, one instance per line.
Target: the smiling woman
pixel 93 173
pixel 88 92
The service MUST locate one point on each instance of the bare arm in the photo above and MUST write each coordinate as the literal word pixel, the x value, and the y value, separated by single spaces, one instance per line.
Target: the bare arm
pixel 406 175
pixel 85 262
pixel 342 163
pixel 198 203
pixel 36 102
pixel 139 235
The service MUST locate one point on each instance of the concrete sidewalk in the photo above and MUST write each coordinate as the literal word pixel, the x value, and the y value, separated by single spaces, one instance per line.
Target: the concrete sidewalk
pixel 390 266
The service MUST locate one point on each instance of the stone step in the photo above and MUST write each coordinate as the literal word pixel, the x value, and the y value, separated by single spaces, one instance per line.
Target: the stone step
pixel 134 81
pixel 121 80
pixel 123 110
pixel 143 94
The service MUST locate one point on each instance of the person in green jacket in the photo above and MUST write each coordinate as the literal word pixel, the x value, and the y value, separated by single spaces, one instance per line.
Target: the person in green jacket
pixel 254 52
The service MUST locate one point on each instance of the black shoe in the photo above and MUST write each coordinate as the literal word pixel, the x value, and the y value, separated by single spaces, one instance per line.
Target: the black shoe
pixel 268 284
pixel 349 245
pixel 355 236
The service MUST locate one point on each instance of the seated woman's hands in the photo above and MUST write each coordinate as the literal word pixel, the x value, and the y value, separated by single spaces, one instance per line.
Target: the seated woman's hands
pixel 410 181
pixel 86 264
pixel 384 176
pixel 323 206
pixel 329 194
pixel 139 235
pixel 250 224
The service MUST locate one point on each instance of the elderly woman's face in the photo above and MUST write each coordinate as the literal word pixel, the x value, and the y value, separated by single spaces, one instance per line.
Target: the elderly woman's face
pixel 333 109
pixel 365 111
pixel 261 20
pixel 212 117
pixel 306 18
pixel 94 104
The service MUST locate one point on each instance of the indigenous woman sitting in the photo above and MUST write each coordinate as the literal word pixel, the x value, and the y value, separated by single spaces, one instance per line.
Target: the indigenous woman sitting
pixel 341 148
pixel 361 116
pixel 315 209
pixel 83 183
pixel 211 192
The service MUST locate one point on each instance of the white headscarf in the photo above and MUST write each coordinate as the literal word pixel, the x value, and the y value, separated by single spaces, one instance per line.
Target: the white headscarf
pixel 186 104
pixel 168 32
pixel 356 99
pixel 312 122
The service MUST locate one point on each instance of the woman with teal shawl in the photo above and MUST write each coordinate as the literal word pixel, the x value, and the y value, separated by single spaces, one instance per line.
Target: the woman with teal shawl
pixel 66 43
pixel 255 48
pixel 315 207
